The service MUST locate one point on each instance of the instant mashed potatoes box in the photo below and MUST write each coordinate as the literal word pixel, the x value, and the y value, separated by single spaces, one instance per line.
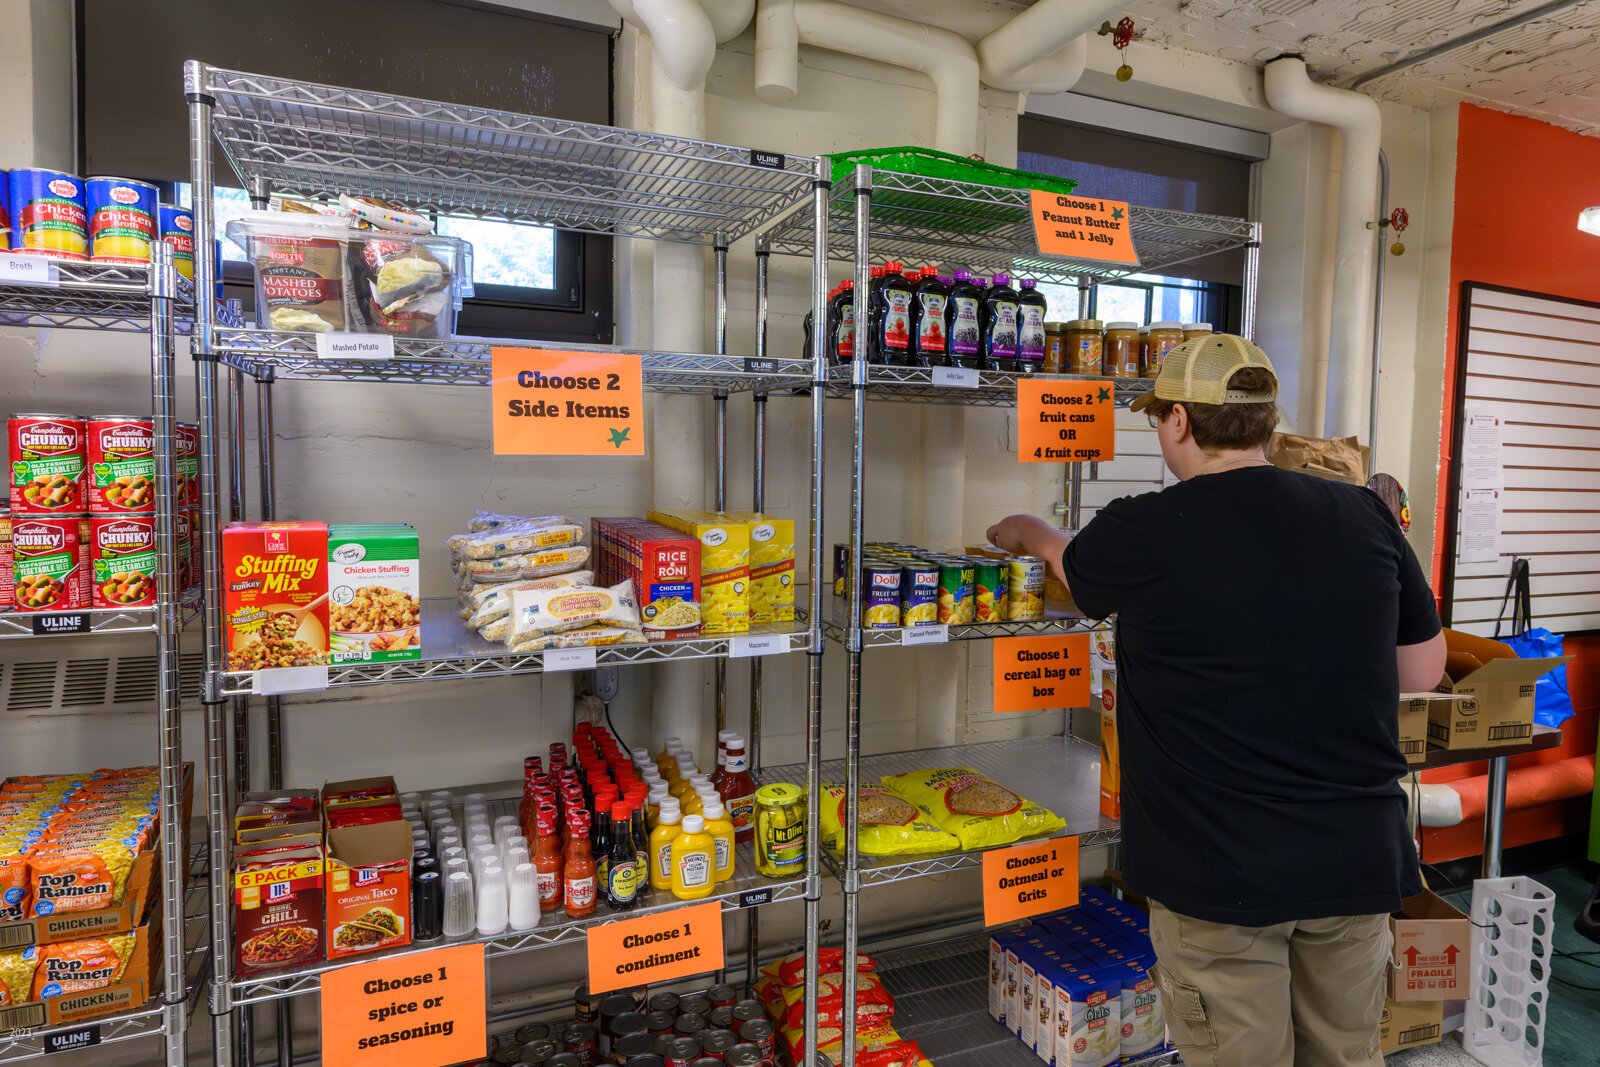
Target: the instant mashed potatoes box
pixel 724 566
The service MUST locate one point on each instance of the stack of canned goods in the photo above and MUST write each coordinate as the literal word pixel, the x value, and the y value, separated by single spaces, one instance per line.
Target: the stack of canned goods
pixel 904 585
pixel 103 219
pixel 80 530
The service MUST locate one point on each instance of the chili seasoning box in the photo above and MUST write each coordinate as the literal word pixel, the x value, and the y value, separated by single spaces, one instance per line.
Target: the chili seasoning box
pixel 374 593
pixel 275 594
pixel 278 903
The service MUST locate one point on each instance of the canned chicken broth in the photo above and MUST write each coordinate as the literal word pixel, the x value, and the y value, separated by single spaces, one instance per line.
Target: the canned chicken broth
pixel 989 590
pixel 47 462
pixel 49 555
pixel 1025 592
pixel 48 216
pixel 122 555
pixel 919 594
pixel 880 596
pixel 122 464
pixel 122 220
pixel 176 226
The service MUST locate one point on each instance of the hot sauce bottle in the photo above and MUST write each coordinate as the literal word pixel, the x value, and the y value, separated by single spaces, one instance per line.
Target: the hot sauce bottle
pixel 547 859
pixel 578 874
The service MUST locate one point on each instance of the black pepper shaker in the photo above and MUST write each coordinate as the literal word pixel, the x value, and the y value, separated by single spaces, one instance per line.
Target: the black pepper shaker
pixel 427 906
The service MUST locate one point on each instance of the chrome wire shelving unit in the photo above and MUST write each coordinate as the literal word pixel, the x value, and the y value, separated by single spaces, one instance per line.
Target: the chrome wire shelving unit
pixel 980 388
pixel 836 627
pixel 286 137
pixel 157 301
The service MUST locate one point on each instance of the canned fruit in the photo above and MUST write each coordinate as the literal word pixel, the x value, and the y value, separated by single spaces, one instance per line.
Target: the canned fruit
pixel 880 596
pixel 122 464
pixel 122 219
pixel 176 227
pixel 48 214
pixel 989 584
pixel 1025 588
pixel 49 556
pixel 919 595
pixel 122 553
pixel 47 463
pixel 955 592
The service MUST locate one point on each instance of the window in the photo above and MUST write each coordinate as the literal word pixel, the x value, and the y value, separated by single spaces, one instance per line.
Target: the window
pixel 1146 298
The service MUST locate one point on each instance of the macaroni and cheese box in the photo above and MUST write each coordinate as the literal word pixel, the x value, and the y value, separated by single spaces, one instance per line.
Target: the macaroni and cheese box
pixel 771 567
pixel 724 566
pixel 374 593
pixel 275 594
pixel 664 566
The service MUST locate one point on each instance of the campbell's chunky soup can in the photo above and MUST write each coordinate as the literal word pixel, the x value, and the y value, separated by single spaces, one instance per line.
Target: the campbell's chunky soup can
pixel 122 219
pixel 184 531
pixel 8 573
pixel 48 214
pixel 48 454
pixel 186 457
pixel 176 226
pixel 49 561
pixel 122 464
pixel 123 559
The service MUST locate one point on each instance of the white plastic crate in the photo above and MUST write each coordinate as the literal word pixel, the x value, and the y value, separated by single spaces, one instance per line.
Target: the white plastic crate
pixel 1513 931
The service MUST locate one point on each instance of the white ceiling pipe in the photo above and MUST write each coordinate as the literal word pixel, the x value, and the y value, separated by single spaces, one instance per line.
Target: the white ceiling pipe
pixel 1025 53
pixel 1342 372
pixel 729 18
pixel 777 51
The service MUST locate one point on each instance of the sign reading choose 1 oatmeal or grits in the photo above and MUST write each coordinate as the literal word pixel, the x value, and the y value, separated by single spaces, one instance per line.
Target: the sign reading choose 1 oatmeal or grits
pixel 554 403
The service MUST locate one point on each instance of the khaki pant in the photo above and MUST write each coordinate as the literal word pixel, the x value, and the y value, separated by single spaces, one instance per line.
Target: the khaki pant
pixel 1299 994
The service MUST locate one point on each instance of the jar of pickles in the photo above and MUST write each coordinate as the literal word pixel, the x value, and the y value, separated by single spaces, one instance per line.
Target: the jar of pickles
pixel 1122 349
pixel 780 830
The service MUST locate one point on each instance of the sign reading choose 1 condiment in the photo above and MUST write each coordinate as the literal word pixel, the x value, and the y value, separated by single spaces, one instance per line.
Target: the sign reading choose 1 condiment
pixel 416 1010
pixel 1032 879
pixel 1061 421
pixel 1083 227
pixel 555 403
pixel 675 944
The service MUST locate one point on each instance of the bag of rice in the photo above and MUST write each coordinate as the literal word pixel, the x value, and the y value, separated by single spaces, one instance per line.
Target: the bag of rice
pixel 979 811
pixel 890 825
pixel 582 637
pixel 517 538
pixel 486 602
pixel 537 613
pixel 515 568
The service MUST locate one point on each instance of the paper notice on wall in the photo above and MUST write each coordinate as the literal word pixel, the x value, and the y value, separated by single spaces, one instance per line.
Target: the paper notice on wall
pixel 1480 526
pixel 1482 464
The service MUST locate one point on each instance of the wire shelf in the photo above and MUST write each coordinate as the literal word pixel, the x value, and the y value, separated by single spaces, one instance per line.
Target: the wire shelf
pixel 451 652
pixel 1061 773
pixel 93 296
pixel 313 140
pixel 467 361
pixel 836 626
pixel 919 219
pixel 43 625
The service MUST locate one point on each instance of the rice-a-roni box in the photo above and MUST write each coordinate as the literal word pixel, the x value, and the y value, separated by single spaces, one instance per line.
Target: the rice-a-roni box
pixel 724 566
pixel 374 593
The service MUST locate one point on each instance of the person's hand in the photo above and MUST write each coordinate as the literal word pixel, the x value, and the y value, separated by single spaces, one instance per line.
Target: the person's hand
pixel 1021 534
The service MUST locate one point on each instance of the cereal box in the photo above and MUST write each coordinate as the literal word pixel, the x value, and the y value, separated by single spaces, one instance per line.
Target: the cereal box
pixel 275 594
pixel 771 567
pixel 724 566
pixel 374 593
pixel 663 565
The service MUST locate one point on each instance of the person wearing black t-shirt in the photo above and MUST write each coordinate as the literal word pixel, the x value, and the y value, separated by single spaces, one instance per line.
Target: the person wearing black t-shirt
pixel 1267 622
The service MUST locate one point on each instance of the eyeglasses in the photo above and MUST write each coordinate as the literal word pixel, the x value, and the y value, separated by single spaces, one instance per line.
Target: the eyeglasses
pixel 1154 419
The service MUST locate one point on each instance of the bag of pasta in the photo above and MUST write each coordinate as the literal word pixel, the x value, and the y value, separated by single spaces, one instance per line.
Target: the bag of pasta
pixel 874 1005
pixel 791 969
pixel 537 613
pixel 979 811
pixel 517 537
pixel 78 966
pixel 16 977
pixel 523 565
pixel 876 1046
pixel 890 825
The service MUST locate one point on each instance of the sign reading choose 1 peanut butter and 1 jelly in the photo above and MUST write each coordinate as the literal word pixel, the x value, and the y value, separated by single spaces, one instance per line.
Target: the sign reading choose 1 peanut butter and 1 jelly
pixel 1083 227
pixel 549 402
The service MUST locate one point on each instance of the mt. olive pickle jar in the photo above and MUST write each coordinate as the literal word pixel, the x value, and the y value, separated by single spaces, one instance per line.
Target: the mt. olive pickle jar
pixel 1122 350
pixel 780 830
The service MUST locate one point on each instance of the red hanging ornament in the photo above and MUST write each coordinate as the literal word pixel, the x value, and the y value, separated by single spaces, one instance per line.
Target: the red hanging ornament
pixel 1398 221
pixel 1121 36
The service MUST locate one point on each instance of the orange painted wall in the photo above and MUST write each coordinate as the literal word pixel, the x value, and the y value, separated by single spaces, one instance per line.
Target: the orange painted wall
pixel 1519 187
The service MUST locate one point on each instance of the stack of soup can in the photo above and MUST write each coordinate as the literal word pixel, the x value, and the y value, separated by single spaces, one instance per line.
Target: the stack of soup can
pixel 100 219
pixel 906 586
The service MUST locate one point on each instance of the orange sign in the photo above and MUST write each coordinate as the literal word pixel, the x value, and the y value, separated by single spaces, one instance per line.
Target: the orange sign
pixel 1062 421
pixel 419 1010
pixel 1032 879
pixel 1037 673
pixel 656 948
pixel 1083 227
pixel 553 403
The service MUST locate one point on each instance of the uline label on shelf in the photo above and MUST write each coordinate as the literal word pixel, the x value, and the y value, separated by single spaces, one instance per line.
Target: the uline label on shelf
pixel 742 646
pixel 71 1040
pixel 752 897
pixel 774 160
pixel 276 680
pixel 661 947
pixel 71 622
pixel 28 270
pixel 1026 880
pixel 416 1010
pixel 956 377
pixel 569 659
pixel 936 634
pixel 373 346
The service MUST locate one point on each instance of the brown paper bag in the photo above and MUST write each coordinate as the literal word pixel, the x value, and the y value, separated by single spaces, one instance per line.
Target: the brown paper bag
pixel 1343 459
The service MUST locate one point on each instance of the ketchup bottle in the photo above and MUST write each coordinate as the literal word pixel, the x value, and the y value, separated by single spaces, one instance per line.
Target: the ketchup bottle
pixel 738 791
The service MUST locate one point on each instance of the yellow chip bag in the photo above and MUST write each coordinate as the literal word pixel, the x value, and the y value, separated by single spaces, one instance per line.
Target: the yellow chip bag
pixel 979 811
pixel 890 825
pixel 16 978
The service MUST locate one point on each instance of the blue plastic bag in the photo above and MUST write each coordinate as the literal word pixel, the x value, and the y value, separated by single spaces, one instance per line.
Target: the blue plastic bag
pixel 1552 703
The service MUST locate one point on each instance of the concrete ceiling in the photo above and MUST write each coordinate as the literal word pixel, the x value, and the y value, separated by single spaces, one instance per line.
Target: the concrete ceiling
pixel 1548 69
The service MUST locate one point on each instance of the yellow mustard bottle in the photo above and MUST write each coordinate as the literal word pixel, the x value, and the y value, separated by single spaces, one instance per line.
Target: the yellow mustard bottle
pixel 667 759
pixel 694 861
pixel 652 804
pixel 682 786
pixel 692 803
pixel 661 839
pixel 720 827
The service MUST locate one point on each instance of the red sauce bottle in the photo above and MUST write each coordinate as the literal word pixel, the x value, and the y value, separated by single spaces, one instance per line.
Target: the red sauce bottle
pixel 738 791
pixel 547 859
pixel 578 874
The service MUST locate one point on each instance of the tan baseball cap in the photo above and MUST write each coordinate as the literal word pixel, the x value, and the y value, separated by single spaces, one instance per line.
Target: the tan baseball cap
pixel 1197 372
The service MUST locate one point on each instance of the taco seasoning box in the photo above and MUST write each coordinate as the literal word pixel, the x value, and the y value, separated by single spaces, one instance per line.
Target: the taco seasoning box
pixel 121 462
pixel 122 219
pixel 368 887
pixel 48 214
pixel 48 456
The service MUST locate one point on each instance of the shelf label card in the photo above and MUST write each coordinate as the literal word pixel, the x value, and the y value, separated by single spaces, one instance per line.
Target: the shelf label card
pixel 365 346
pixel 569 659
pixel 28 270
pixel 418 1010
pixel 75 622
pixel 554 403
pixel 956 377
pixel 662 947
pixel 1031 879
pixel 1083 227
pixel 1040 673
pixel 71 1040
pixel 742 646
pixel 937 634
pixel 1064 421
pixel 275 680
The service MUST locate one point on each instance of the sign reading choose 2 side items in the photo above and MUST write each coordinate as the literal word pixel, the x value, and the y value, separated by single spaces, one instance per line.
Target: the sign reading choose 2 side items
pixel 556 403
pixel 674 944
pixel 1065 421
pixel 1030 879
pixel 416 1010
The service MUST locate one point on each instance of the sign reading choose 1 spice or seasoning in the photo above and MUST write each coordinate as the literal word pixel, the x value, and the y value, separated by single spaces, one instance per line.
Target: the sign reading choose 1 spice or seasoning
pixel 1061 421
pixel 1038 673
pixel 553 403
pixel 1083 227
pixel 675 944
pixel 1031 879
pixel 417 1010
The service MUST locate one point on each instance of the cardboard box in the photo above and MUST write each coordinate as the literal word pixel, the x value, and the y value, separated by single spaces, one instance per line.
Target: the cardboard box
pixel 375 593
pixel 1432 950
pixel 135 986
pixel 1502 685
pixel 278 903
pixel 724 566
pixel 1110 749
pixel 1414 725
pixel 1407 1025
pixel 368 888
pixel 771 567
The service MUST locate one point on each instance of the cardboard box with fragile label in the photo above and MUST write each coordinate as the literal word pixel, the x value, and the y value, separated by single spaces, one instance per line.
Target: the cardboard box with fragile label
pixel 1432 948
pixel 1501 683
pixel 1407 1025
